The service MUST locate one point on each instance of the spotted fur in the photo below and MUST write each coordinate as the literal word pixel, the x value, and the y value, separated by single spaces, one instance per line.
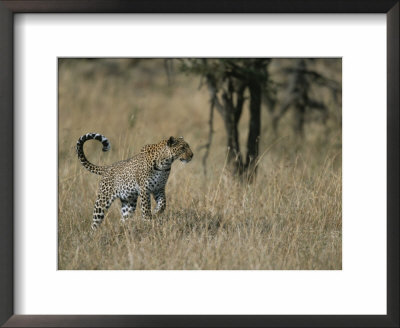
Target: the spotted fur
pixel 143 175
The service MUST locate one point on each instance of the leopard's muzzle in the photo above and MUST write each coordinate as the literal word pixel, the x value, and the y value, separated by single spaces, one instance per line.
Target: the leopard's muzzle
pixel 186 157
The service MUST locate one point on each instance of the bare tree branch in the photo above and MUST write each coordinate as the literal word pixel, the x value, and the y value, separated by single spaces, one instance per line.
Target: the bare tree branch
pixel 212 89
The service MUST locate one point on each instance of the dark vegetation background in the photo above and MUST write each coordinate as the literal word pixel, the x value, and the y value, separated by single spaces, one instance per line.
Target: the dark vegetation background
pixel 263 190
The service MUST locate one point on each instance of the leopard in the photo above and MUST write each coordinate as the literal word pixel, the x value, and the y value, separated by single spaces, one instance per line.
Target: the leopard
pixel 142 175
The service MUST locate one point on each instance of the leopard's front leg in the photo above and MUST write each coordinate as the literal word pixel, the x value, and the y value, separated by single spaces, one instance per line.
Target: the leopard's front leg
pixel 159 196
pixel 145 203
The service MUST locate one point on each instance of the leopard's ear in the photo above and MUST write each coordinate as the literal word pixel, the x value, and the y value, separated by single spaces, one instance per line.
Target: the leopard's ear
pixel 170 141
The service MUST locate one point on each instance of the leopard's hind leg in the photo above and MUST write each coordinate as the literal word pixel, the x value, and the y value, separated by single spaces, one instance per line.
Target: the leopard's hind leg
pixel 105 197
pixel 128 207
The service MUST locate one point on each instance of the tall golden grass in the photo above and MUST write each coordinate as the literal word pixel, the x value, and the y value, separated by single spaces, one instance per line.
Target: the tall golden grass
pixel 289 218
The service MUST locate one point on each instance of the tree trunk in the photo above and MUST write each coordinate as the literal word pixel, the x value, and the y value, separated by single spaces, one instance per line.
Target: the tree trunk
pixel 231 121
pixel 254 129
pixel 298 124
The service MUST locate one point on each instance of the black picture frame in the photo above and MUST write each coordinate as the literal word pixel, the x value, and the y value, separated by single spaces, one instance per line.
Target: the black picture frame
pixel 7 197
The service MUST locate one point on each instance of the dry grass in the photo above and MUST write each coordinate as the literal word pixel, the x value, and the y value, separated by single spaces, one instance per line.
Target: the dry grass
pixel 290 218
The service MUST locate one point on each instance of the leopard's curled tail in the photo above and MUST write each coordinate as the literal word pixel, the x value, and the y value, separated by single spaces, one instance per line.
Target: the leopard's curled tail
pixel 81 155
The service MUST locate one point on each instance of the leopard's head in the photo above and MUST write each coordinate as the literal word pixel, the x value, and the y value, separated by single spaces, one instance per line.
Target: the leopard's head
pixel 180 149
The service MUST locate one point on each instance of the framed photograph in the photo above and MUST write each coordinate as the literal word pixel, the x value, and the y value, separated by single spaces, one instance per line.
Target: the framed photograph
pixel 218 164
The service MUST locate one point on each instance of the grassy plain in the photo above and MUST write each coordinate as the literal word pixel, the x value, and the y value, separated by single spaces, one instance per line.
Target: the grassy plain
pixel 289 218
